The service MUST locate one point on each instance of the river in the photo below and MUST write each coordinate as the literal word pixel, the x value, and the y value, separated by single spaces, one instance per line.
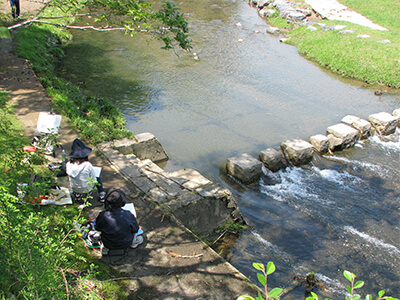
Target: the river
pixel 241 90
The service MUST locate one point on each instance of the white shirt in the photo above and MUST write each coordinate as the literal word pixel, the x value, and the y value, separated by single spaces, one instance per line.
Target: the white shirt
pixel 82 177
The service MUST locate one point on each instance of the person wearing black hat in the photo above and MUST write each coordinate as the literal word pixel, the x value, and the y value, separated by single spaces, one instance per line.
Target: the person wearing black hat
pixel 119 227
pixel 82 176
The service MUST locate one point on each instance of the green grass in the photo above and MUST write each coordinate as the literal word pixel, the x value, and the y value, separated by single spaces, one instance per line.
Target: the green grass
pixel 39 253
pixel 364 59
pixel 96 118
pixel 382 12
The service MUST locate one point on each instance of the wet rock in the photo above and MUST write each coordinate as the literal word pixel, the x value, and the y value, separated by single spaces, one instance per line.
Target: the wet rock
pixel 298 151
pixel 320 143
pixel 244 167
pixel 346 133
pixel 363 126
pixel 384 122
pixel 396 113
pixel 266 12
pixel 273 30
pixel 272 159
pixel 334 142
pixel 296 17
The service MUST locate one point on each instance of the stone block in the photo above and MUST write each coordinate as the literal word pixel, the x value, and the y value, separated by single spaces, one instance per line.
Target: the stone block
pixel 244 167
pixel 384 122
pixel 143 145
pixel 320 143
pixel 188 178
pixel 273 30
pixel 299 151
pixel 363 126
pixel 334 142
pixel 396 113
pixel 348 134
pixel 124 146
pixel 266 12
pixel 272 159
pixel 148 146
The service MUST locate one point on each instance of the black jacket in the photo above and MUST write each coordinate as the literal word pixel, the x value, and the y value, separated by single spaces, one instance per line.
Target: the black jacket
pixel 117 227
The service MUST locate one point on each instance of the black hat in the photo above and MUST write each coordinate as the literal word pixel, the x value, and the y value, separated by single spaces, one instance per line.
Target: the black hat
pixel 115 198
pixel 79 150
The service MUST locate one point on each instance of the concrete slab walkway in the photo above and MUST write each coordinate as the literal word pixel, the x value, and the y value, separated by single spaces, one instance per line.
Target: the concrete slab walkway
pixel 333 10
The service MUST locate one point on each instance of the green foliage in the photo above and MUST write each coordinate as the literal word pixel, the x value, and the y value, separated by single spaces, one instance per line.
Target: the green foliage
pixel 274 293
pixel 96 118
pixel 40 256
pixel 232 227
pixel 167 23
pixel 364 59
pixel 382 12
pixel 276 20
pixel 263 278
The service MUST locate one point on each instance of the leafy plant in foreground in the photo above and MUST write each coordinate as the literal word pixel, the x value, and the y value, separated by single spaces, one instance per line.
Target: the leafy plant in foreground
pixel 351 290
pixel 262 278
pixel 276 292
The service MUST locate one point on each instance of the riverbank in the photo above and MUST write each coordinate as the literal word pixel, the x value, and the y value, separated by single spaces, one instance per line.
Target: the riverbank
pixel 342 40
pixel 174 264
pixel 161 256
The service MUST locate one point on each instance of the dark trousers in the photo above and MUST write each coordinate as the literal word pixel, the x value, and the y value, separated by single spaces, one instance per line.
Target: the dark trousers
pixel 14 8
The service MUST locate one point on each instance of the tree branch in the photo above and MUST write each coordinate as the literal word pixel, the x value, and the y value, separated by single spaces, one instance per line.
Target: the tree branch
pixel 28 22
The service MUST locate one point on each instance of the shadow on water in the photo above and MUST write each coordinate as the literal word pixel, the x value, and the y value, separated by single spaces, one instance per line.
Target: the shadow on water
pixel 89 66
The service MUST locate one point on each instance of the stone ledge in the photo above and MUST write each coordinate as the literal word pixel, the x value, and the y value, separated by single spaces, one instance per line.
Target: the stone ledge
pixel 194 200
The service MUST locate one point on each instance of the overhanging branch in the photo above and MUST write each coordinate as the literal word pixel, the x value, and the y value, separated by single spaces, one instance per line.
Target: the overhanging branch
pixel 89 27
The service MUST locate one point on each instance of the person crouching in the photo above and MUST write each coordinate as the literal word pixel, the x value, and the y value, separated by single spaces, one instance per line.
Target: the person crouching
pixel 80 171
pixel 118 226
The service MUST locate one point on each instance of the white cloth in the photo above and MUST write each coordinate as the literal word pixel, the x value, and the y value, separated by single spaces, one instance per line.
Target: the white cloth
pixel 82 177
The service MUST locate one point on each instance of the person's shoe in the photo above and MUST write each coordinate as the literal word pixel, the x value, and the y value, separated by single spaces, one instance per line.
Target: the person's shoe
pixel 78 198
pixel 102 197
pixel 136 241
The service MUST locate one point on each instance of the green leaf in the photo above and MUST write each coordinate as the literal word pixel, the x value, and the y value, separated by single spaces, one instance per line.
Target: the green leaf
pixel 359 284
pixel 275 292
pixel 262 279
pixel 356 297
pixel 313 296
pixel 368 297
pixel 259 297
pixel 381 293
pixel 350 276
pixel 270 268
pixel 245 297
pixel 348 288
pixel 259 266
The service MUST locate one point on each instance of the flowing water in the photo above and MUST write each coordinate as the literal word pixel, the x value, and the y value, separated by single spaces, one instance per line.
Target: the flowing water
pixel 241 90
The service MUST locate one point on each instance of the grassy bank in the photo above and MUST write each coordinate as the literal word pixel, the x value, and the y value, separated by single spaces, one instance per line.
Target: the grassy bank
pixel 41 256
pixel 366 59
pixel 97 119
